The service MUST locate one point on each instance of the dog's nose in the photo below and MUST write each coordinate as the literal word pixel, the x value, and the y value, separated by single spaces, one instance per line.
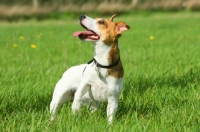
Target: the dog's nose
pixel 82 17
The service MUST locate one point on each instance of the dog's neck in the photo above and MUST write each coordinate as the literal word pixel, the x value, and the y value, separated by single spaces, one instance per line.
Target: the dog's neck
pixel 106 54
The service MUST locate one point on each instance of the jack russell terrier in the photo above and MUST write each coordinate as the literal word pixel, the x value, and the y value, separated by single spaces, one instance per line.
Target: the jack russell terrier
pixel 102 78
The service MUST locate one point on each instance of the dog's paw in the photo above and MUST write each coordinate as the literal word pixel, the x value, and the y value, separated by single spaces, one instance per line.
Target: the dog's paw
pixel 52 118
pixel 76 105
pixel 93 110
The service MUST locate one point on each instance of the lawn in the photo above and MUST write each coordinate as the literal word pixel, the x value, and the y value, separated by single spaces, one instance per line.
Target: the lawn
pixel 160 55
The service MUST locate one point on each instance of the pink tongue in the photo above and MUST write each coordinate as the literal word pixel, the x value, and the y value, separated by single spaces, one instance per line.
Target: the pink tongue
pixel 75 34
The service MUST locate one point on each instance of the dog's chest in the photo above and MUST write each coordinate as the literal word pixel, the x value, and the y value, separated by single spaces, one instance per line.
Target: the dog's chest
pixel 102 85
pixel 99 91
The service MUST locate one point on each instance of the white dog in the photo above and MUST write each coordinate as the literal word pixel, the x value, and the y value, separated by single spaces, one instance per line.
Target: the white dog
pixel 102 78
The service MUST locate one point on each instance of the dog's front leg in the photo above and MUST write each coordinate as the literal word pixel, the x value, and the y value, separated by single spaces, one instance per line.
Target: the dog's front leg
pixel 112 108
pixel 82 89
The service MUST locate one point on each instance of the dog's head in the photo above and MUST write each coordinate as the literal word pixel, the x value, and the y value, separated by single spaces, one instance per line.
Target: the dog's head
pixel 100 29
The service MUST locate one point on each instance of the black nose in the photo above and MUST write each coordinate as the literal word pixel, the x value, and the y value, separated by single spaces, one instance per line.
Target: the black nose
pixel 82 17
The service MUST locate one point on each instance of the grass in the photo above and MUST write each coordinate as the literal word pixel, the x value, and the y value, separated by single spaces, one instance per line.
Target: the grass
pixel 162 76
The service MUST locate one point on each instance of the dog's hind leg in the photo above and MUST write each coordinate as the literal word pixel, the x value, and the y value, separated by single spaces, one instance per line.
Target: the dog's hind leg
pixel 60 96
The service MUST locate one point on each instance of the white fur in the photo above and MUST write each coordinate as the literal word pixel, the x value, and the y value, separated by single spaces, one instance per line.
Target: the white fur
pixel 89 88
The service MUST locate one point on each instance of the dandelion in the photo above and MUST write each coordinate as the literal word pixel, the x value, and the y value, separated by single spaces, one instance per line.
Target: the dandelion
pixel 15 45
pixel 151 37
pixel 33 46
pixel 21 37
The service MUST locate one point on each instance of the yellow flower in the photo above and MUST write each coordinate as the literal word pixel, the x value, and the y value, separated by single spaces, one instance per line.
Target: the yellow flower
pixel 21 37
pixel 15 45
pixel 33 46
pixel 151 37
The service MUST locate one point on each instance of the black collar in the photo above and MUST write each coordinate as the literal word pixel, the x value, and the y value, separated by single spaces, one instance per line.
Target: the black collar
pixel 102 66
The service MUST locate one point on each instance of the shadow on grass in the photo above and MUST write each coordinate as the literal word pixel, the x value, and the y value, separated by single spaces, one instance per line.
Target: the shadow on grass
pixel 18 104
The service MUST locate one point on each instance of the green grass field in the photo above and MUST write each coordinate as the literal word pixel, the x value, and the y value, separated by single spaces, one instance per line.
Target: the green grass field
pixel 162 75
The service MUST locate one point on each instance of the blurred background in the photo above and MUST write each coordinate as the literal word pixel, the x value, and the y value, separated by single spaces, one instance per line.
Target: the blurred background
pixel 12 10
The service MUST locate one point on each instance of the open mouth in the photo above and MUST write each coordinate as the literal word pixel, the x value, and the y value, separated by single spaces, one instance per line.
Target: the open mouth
pixel 89 34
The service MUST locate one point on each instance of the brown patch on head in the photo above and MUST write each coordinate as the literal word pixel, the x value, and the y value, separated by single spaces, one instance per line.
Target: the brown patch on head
pixel 110 31
pixel 107 31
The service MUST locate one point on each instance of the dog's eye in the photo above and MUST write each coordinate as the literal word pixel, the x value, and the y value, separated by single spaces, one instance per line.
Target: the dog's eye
pixel 101 22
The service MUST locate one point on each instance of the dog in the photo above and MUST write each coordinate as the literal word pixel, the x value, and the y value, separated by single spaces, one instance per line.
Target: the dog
pixel 102 78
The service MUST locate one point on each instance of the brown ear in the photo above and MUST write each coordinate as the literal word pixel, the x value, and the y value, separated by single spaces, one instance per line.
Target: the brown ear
pixel 121 26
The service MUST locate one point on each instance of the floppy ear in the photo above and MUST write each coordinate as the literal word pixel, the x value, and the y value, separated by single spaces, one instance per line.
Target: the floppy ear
pixel 121 26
